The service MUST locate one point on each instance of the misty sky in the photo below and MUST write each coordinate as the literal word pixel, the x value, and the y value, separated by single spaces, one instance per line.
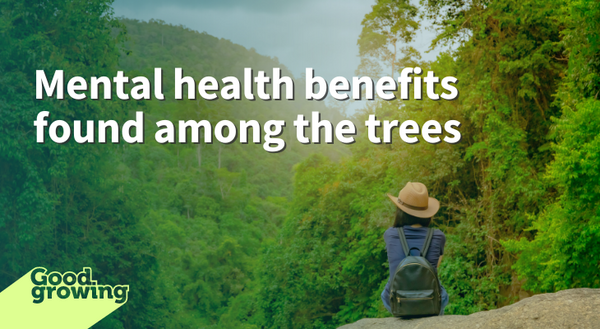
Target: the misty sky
pixel 303 33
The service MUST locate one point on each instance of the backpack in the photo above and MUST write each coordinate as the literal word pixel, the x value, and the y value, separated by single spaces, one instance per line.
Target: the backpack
pixel 415 289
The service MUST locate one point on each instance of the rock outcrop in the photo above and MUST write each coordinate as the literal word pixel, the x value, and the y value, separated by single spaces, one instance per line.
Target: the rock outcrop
pixel 574 308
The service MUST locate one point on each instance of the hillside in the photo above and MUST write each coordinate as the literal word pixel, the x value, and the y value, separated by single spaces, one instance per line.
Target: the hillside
pixel 208 207
pixel 155 44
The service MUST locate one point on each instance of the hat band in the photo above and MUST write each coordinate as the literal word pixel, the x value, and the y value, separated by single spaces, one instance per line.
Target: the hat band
pixel 411 206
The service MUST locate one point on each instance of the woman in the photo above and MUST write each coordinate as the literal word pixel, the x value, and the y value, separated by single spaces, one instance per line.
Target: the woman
pixel 414 209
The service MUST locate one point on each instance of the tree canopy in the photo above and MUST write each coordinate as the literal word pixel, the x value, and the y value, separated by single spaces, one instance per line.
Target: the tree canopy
pixel 230 236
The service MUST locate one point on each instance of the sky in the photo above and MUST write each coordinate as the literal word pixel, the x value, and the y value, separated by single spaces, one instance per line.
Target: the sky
pixel 321 34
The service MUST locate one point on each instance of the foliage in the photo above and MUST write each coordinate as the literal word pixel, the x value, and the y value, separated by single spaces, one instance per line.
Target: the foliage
pixel 229 236
pixel 209 206
pixel 390 24
pixel 66 206
pixel 515 225
pixel 182 223
pixel 568 229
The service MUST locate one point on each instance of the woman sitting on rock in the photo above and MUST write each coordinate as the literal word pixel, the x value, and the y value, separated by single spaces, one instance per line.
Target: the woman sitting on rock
pixel 410 290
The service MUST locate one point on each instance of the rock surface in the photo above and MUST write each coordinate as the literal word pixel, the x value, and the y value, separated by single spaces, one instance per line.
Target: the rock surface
pixel 574 308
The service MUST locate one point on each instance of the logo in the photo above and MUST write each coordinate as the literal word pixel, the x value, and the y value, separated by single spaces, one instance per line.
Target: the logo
pixel 61 300
pixel 70 285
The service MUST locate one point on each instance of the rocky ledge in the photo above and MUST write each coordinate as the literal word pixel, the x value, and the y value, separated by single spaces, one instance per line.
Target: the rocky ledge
pixel 573 308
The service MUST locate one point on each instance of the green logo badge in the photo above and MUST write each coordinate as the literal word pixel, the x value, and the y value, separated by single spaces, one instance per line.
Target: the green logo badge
pixel 69 300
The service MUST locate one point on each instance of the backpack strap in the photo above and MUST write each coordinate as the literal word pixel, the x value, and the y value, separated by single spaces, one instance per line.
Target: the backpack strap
pixel 427 242
pixel 403 242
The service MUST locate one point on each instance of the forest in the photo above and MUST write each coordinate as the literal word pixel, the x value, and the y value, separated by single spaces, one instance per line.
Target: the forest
pixel 230 236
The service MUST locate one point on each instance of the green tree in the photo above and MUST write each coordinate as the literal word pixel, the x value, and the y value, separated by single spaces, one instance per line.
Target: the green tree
pixel 387 30
pixel 567 231
pixel 66 206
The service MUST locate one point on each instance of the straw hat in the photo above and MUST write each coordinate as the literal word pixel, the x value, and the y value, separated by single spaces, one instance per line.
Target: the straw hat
pixel 414 200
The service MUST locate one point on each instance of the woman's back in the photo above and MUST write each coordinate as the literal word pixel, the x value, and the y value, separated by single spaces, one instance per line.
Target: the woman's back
pixel 415 237
pixel 414 210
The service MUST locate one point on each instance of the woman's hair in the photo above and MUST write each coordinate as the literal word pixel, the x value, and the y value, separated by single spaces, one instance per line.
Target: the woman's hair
pixel 403 218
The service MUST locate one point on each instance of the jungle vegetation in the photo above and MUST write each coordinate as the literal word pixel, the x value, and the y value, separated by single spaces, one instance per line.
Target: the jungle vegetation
pixel 230 236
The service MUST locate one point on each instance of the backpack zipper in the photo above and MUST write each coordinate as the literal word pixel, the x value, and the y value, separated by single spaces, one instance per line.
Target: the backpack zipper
pixel 399 299
pixel 415 298
pixel 398 270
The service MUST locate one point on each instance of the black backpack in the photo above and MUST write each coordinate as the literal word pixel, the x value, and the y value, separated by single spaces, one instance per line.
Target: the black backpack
pixel 415 290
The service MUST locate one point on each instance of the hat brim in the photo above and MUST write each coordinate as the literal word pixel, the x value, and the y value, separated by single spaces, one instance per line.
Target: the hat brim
pixel 432 208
